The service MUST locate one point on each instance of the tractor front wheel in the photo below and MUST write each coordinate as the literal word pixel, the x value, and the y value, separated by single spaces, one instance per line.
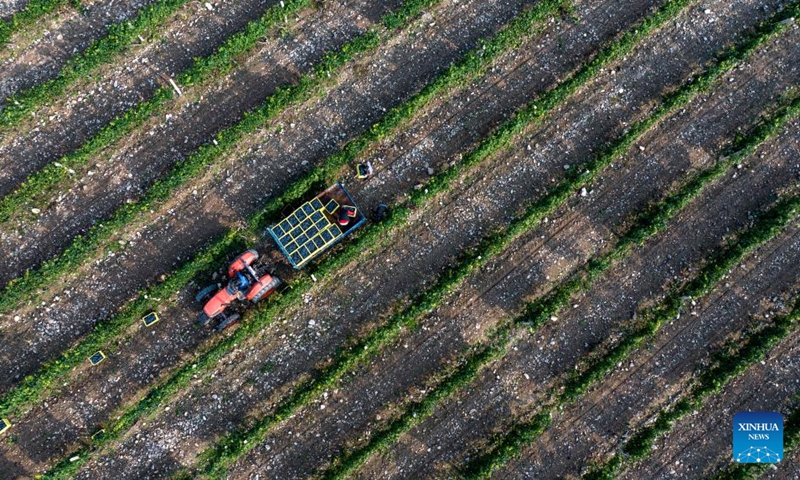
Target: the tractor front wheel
pixel 205 294
pixel 203 319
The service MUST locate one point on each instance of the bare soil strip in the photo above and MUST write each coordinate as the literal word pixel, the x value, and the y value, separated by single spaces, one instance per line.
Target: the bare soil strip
pixel 30 387
pixel 384 269
pixel 112 77
pixel 301 454
pixel 26 64
pixel 699 445
pixel 457 30
pixel 25 16
pixel 656 377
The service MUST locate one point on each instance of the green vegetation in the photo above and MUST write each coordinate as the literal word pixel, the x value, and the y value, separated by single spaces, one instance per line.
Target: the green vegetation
pixel 28 16
pixel 181 377
pixel 119 37
pixel 35 386
pixel 650 321
pixel 654 218
pixel 768 225
pixel 42 183
pixel 85 246
pixel 216 460
pixel 498 241
pixel 727 364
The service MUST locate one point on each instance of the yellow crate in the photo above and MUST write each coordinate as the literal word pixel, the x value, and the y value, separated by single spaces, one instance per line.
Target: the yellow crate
pixel 150 319
pixel 97 357
pixel 331 206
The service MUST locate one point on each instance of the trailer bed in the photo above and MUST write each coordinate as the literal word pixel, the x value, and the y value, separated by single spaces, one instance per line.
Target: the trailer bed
pixel 313 227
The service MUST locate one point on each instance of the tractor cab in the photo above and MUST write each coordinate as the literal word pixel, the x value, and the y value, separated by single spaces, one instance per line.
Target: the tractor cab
pixel 245 283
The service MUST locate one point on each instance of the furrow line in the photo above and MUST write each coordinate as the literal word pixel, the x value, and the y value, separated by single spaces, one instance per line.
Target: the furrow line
pixel 645 225
pixel 768 225
pixel 234 445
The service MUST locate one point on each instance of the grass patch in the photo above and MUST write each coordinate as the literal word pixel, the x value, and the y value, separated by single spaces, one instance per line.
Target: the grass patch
pixel 36 188
pixel 28 16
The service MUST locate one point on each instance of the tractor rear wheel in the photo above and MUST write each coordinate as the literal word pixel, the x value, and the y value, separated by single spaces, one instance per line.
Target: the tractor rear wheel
pixel 267 289
pixel 228 321
pixel 205 294
pixel 203 319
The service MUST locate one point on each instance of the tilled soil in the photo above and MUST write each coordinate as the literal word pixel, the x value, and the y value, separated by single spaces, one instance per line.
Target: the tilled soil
pixel 655 376
pixel 114 280
pixel 459 31
pixel 194 31
pixel 700 444
pixel 29 64
pixel 230 393
pixel 558 346
pixel 263 370
pixel 416 358
pixel 10 7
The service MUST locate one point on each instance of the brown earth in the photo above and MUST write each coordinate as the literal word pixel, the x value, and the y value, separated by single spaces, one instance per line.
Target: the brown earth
pixel 90 104
pixel 25 64
pixel 234 384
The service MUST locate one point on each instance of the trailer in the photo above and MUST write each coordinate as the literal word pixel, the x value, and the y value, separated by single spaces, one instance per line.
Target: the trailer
pixel 303 235
pixel 317 225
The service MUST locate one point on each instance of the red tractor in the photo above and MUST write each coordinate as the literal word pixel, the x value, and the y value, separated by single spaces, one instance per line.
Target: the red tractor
pixel 245 283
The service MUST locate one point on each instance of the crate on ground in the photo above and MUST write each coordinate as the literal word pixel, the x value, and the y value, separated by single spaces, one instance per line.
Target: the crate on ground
pixel 97 357
pixel 150 319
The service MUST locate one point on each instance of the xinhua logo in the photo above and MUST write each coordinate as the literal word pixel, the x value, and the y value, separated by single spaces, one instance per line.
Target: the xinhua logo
pixel 757 437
